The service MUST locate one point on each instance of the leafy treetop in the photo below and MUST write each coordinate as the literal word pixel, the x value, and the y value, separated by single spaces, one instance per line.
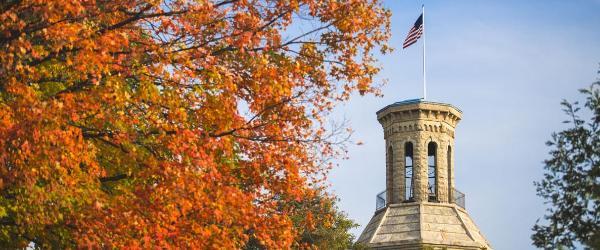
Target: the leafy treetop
pixel 571 183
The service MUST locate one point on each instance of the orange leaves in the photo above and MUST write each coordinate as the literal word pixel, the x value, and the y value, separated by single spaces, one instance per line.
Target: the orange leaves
pixel 174 124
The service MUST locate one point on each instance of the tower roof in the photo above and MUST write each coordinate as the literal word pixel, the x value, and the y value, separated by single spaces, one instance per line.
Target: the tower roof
pixel 411 225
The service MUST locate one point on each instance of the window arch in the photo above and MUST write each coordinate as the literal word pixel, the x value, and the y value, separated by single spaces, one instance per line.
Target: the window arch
pixel 432 171
pixel 408 171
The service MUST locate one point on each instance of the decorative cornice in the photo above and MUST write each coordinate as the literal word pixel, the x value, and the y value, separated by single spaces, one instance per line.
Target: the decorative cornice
pixel 411 127
pixel 417 101
pixel 419 110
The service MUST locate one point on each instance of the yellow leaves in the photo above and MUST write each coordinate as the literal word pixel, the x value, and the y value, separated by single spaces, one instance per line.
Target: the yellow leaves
pixel 148 91
pixel 3 212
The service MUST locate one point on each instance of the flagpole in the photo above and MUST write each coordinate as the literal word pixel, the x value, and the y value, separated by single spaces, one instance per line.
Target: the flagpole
pixel 424 79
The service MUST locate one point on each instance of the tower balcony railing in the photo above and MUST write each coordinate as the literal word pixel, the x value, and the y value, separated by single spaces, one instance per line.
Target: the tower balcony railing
pixel 458 199
pixel 380 200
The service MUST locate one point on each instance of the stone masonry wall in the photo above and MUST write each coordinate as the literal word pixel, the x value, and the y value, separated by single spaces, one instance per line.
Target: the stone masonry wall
pixel 420 125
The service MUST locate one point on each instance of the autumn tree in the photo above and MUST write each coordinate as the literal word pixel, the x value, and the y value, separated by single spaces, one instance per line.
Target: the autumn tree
pixel 175 123
pixel 571 183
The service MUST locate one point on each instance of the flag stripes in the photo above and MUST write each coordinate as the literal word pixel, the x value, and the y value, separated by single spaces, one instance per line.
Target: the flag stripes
pixel 415 33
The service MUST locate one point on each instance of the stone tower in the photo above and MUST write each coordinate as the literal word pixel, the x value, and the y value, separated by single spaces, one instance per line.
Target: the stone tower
pixel 420 208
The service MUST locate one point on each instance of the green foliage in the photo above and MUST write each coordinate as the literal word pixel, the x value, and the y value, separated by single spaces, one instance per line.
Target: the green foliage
pixel 333 235
pixel 571 183
pixel 332 231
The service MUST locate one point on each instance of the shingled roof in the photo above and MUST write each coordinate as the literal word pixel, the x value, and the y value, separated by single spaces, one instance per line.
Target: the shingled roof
pixel 414 225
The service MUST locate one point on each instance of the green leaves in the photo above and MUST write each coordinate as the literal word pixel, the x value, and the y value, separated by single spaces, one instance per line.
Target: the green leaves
pixel 571 184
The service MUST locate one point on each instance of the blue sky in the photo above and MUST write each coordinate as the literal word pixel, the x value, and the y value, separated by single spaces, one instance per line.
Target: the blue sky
pixel 506 65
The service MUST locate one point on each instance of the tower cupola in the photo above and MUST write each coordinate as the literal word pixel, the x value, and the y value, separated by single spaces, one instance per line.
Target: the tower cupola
pixel 420 207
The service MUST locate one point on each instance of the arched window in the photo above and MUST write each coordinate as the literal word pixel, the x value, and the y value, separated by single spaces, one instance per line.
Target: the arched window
pixel 432 181
pixel 449 166
pixel 408 171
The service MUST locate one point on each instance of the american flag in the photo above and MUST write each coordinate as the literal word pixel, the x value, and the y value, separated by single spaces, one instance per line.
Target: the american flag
pixel 415 33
